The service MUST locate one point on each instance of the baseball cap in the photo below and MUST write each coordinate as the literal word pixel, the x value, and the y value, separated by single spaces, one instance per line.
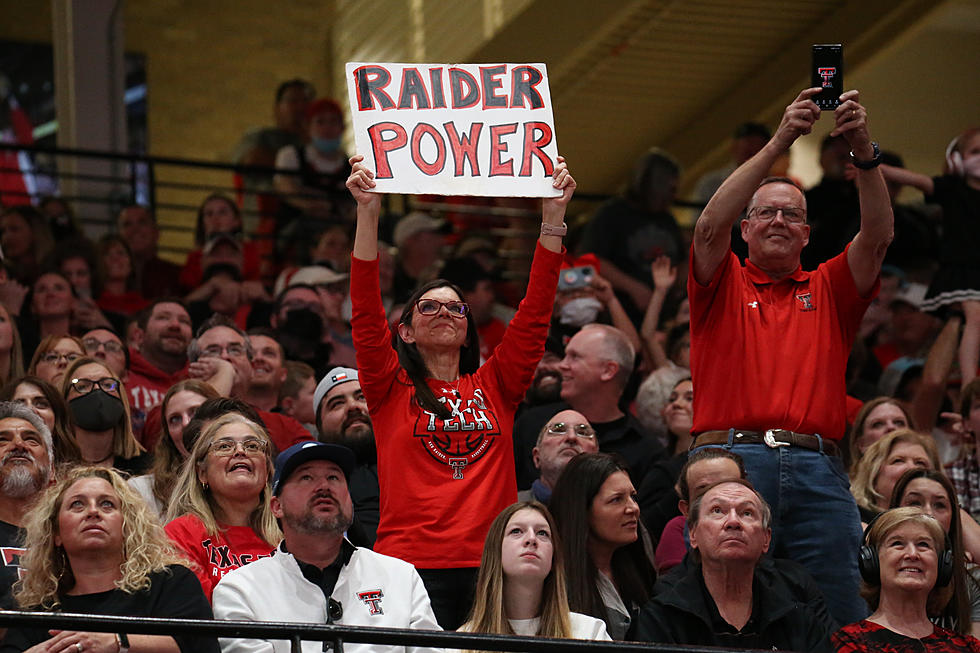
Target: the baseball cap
pixel 315 275
pixel 302 452
pixel 334 377
pixel 413 223
pixel 912 294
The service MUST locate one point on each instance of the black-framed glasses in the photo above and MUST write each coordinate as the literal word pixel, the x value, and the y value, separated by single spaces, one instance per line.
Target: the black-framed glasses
pixel 85 386
pixel 580 430
pixel 53 357
pixel 111 346
pixel 433 306
pixel 768 213
pixel 228 446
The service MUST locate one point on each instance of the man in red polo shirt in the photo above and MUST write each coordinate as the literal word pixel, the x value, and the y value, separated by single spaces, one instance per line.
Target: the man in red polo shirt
pixel 770 343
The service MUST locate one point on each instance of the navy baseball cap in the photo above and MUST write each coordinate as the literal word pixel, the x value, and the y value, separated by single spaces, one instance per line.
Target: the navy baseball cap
pixel 302 452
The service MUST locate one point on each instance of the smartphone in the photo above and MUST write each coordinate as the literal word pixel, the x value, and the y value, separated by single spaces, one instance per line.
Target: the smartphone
pixel 575 278
pixel 828 74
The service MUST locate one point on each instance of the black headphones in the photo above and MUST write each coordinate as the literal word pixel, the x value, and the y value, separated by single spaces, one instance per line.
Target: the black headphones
pixel 870 567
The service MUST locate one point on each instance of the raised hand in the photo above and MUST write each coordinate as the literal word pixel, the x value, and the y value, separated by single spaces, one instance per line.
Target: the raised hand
pixel 798 118
pixel 852 122
pixel 360 182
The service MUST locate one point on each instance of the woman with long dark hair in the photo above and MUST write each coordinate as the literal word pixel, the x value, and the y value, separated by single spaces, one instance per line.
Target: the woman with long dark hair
pixel 176 412
pixel 218 215
pixel 442 422
pixel 610 573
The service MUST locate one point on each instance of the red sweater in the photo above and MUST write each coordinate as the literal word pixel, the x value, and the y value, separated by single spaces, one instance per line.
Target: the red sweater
pixel 213 557
pixel 443 482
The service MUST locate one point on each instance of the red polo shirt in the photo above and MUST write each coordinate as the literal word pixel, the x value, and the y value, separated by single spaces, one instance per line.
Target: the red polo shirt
pixel 768 354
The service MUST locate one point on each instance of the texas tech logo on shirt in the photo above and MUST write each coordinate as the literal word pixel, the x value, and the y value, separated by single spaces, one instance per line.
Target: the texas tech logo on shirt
pixel 805 302
pixel 462 439
pixel 372 599
pixel 223 560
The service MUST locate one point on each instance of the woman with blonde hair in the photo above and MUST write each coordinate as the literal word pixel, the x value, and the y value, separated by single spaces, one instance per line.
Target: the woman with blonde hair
pixel 176 412
pixel 99 410
pixel 520 589
pixel 906 572
pixel 94 549
pixel 883 464
pixel 221 500
pixel 876 419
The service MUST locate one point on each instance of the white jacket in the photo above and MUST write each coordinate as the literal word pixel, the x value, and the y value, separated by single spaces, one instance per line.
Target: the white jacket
pixel 373 590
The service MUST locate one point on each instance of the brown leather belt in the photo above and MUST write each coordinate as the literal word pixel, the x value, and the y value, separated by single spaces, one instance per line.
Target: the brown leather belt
pixel 772 438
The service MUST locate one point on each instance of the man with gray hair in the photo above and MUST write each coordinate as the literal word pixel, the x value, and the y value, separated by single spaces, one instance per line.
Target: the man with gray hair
pixel 26 466
pixel 221 354
pixel 724 601
pixel 595 371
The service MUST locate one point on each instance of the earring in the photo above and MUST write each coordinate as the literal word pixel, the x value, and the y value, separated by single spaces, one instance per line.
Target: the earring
pixel 205 486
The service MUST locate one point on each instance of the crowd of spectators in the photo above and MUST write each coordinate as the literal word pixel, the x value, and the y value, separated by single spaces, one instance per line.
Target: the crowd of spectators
pixel 725 460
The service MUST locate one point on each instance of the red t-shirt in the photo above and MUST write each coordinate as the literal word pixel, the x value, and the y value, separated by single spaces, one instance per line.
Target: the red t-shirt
pixel 215 556
pixel 443 482
pixel 768 355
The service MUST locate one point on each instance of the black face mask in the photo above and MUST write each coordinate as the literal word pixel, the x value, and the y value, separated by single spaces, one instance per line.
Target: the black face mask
pixel 303 325
pixel 96 411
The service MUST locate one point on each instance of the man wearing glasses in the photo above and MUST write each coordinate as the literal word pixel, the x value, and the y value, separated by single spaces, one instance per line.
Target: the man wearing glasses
pixel 221 354
pixel 770 343
pixel 106 345
pixel 565 436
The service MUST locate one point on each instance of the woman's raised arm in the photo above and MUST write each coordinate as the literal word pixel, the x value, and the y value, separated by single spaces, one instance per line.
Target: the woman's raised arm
pixel 368 209
pixel 553 208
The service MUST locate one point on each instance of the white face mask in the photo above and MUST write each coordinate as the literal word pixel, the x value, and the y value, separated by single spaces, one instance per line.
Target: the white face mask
pixel 971 166
pixel 580 311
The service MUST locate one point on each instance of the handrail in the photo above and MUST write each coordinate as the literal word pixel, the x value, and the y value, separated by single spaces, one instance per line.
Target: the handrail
pixel 294 632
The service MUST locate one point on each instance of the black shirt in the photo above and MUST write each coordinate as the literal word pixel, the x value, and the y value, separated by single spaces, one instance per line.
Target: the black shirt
pixel 174 592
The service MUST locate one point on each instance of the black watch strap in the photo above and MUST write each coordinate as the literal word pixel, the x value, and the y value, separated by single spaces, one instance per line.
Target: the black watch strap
pixel 868 165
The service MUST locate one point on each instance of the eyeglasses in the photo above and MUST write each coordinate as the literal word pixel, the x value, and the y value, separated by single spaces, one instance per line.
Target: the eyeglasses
pixel 53 357
pixel 432 306
pixel 215 351
pixel 768 214
pixel 111 346
pixel 228 446
pixel 580 430
pixel 85 386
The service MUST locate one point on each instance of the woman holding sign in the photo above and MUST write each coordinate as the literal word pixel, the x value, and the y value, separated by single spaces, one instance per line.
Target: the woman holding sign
pixel 442 422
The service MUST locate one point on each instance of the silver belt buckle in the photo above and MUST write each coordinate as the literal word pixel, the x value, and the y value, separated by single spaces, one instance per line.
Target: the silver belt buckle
pixel 770 439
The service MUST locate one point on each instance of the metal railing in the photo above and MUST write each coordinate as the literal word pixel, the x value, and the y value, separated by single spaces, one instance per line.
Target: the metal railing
pixel 296 633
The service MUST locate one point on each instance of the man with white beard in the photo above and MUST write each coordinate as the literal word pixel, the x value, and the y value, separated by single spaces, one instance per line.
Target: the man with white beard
pixel 26 467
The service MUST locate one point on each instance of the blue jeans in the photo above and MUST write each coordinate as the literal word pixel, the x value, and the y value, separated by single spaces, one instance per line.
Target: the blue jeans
pixel 815 520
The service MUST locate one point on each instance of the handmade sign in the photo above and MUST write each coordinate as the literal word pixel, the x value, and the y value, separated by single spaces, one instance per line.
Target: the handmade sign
pixel 455 129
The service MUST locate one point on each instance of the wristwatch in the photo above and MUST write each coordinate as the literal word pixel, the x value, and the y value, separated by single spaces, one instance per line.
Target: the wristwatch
pixel 868 165
pixel 552 230
pixel 123 641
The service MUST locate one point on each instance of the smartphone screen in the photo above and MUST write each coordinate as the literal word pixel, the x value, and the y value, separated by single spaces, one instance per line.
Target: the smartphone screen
pixel 828 74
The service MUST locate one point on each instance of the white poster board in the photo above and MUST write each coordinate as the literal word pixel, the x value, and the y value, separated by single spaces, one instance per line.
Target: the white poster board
pixel 455 129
